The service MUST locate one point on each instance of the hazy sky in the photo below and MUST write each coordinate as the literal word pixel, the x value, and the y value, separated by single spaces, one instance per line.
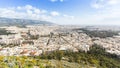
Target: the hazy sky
pixel 95 12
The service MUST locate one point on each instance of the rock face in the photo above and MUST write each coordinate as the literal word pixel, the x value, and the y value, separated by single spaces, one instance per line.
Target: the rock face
pixel 20 22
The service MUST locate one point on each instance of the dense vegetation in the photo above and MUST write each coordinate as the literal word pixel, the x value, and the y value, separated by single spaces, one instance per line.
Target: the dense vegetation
pixel 96 57
pixel 22 62
pixel 34 37
pixel 98 33
pixel 4 32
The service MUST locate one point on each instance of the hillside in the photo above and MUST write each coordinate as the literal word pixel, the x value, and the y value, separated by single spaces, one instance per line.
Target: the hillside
pixel 95 58
pixel 21 22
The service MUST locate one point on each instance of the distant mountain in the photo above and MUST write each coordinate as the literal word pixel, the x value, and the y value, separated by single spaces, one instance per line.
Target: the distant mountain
pixel 21 22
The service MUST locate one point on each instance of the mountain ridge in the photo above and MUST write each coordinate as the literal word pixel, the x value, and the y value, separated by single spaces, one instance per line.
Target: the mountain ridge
pixel 21 22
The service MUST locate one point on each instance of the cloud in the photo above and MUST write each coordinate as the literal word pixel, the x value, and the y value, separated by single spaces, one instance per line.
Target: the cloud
pixel 61 0
pixel 107 7
pixel 98 4
pixel 28 7
pixel 53 0
pixel 26 12
pixel 67 16
pixel 55 13
pixel 104 3
pixel 57 0
pixel 113 2
pixel 105 10
pixel 30 12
